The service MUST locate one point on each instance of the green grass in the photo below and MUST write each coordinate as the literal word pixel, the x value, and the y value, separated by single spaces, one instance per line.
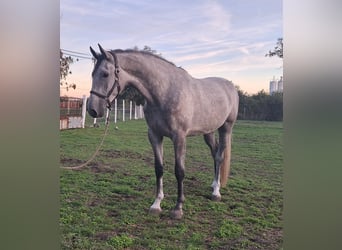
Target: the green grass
pixel 105 205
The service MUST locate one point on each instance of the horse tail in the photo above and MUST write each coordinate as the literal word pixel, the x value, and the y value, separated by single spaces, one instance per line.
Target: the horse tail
pixel 225 165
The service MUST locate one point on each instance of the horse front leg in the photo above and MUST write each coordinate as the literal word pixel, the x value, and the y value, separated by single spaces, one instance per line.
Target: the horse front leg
pixel 157 146
pixel 180 150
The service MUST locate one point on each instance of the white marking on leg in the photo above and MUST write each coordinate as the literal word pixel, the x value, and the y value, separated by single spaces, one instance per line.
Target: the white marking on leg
pixel 159 198
pixel 216 188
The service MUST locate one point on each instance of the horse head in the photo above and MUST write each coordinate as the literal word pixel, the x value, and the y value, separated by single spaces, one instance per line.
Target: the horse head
pixel 105 82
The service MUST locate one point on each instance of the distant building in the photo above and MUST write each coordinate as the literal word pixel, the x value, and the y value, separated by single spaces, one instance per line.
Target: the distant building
pixel 273 86
pixel 276 85
pixel 280 85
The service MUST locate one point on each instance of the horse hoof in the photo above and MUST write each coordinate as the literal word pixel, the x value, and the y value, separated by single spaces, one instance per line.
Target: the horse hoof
pixel 176 214
pixel 216 197
pixel 154 211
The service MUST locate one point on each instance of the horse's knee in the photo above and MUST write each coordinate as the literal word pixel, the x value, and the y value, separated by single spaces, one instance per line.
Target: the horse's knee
pixel 159 170
pixel 179 172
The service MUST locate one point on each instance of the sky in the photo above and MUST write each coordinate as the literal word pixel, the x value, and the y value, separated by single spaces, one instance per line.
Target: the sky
pixel 224 38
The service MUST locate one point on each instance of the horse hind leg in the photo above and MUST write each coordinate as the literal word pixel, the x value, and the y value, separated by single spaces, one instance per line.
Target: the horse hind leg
pixel 222 160
pixel 157 146
pixel 216 195
pixel 212 142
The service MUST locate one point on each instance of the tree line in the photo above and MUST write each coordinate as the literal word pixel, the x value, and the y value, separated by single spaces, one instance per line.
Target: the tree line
pixel 260 106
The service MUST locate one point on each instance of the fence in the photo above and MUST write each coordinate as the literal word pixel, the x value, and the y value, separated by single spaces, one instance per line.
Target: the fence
pixel 122 110
pixel 73 113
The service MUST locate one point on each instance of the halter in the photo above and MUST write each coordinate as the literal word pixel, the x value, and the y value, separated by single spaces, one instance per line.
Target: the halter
pixel 115 85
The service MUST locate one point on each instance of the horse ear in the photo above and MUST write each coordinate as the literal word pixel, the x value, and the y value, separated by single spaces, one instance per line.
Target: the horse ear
pixel 95 55
pixel 103 52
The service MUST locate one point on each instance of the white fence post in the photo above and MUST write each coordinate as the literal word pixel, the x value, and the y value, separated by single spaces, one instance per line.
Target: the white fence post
pixel 115 110
pixel 130 110
pixel 84 110
pixel 135 111
pixel 123 110
pixel 141 112
pixel 107 116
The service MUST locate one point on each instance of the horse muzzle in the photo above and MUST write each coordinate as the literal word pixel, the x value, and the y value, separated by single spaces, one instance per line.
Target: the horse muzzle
pixel 95 108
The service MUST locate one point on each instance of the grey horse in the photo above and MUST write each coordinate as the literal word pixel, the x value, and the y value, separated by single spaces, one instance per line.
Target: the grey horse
pixel 176 106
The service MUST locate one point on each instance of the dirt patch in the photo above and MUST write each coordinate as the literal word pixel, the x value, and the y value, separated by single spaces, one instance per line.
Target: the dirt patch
pixel 98 166
pixel 113 213
pixel 70 162
pixel 104 235
pixel 121 154
pixel 127 154
pixel 95 167
pixel 270 239
pixel 94 202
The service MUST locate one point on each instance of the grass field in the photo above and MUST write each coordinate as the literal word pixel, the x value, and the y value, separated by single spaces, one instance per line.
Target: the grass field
pixel 105 205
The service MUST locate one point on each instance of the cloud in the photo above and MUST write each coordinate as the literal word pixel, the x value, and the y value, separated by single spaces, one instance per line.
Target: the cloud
pixel 237 66
pixel 206 37
pixel 218 17
pixel 244 50
pixel 169 27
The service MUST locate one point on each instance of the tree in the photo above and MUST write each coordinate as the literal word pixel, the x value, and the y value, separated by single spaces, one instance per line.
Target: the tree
pixel 64 63
pixel 278 49
pixel 275 107
pixel 243 103
pixel 260 106
pixel 153 51
pixel 132 94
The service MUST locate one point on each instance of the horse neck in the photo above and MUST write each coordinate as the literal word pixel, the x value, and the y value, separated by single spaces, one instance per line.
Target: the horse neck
pixel 151 76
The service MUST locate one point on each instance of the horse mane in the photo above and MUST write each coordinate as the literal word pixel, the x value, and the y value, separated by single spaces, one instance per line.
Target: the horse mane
pixel 143 52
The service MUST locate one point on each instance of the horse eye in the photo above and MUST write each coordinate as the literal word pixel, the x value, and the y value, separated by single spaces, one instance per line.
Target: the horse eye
pixel 105 74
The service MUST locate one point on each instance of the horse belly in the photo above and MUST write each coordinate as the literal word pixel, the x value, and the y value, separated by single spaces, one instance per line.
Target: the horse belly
pixel 209 115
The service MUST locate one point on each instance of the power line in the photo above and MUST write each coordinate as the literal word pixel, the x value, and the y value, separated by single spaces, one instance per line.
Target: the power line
pixel 76 54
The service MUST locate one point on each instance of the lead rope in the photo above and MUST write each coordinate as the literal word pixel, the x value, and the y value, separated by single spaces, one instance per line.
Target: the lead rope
pixel 96 151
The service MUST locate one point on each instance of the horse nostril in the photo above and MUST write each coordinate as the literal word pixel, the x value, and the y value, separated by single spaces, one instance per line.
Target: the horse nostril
pixel 92 113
